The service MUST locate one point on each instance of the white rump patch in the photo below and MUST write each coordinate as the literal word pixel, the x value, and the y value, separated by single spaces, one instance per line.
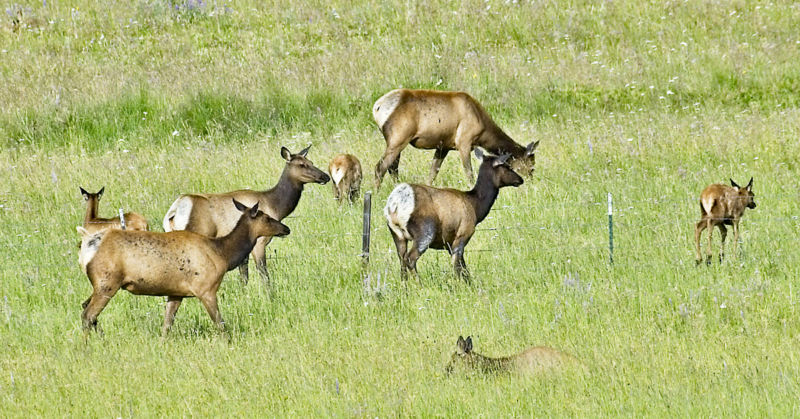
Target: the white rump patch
pixel 337 174
pixel 385 106
pixel 179 212
pixel 708 203
pixel 398 209
pixel 89 245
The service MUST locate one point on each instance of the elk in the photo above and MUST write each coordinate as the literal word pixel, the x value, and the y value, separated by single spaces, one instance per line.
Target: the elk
pixel 530 361
pixel 442 121
pixel 722 205
pixel 214 215
pixel 422 217
pixel 345 171
pixel 177 264
pixel 93 223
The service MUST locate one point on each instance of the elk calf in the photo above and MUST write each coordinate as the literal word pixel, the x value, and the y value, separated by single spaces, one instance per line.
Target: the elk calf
pixel 213 215
pixel 428 217
pixel 345 171
pixel 442 121
pixel 176 264
pixel 93 223
pixel 722 205
pixel 530 361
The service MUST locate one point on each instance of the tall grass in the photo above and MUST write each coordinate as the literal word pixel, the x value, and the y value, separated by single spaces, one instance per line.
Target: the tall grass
pixel 650 101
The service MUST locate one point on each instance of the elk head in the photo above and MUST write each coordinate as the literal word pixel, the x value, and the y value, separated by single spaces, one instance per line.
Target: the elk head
pixel 746 194
pixel 301 169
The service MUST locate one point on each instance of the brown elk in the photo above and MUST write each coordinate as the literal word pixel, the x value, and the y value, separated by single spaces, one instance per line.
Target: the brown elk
pixel 176 264
pixel 93 223
pixel 442 121
pixel 722 205
pixel 345 171
pixel 428 217
pixel 214 215
pixel 530 361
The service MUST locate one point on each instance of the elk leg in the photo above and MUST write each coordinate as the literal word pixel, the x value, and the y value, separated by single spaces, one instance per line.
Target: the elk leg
pixel 394 168
pixel 244 270
pixel 401 244
pixel 209 301
pixel 97 302
pixel 335 191
pixel 169 314
pixel 735 236
pixel 260 257
pixel 710 228
pixel 457 256
pixel 698 230
pixel 423 236
pixel 723 231
pixel 465 152
pixel 438 157
pixel 388 159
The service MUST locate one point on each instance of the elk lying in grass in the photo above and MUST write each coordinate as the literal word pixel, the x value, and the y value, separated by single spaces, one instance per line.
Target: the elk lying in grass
pixel 214 215
pixel 530 361
pixel 93 223
pixel 722 205
pixel 441 121
pixel 176 264
pixel 345 171
pixel 429 217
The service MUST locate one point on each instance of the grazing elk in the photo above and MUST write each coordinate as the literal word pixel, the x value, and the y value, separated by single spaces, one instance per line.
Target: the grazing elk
pixel 530 361
pixel 345 171
pixel 93 223
pixel 176 264
pixel 722 205
pixel 214 215
pixel 422 217
pixel 442 121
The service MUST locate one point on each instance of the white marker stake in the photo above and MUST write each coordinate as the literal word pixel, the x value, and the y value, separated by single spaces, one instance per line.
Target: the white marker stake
pixel 122 219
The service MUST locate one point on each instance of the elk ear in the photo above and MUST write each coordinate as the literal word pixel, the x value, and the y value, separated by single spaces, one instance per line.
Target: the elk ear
pixel 304 151
pixel 479 155
pixel 531 148
pixel 254 211
pixel 239 206
pixel 734 185
pixel 82 231
pixel 749 184
pixel 501 160
pixel 461 344
pixel 286 154
pixel 468 346
pixel 84 193
pixel 100 193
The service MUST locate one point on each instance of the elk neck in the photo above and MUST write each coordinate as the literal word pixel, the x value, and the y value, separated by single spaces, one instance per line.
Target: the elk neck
pixel 91 210
pixel 236 245
pixel 498 142
pixel 483 195
pixel 487 364
pixel 285 195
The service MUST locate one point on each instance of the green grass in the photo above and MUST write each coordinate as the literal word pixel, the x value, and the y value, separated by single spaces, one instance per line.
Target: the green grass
pixel 151 101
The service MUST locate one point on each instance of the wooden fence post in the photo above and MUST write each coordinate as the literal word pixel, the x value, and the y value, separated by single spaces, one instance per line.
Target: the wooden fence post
pixel 367 226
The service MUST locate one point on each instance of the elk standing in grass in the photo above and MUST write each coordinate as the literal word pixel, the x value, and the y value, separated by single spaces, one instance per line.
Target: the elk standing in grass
pixel 722 205
pixel 422 217
pixel 530 361
pixel 214 215
pixel 176 264
pixel 345 171
pixel 442 121
pixel 93 223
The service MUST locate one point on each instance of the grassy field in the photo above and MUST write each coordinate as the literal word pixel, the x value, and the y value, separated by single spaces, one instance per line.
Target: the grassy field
pixel 649 101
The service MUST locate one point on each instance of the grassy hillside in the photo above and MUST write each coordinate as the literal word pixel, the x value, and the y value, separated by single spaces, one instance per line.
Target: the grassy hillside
pixel 648 101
